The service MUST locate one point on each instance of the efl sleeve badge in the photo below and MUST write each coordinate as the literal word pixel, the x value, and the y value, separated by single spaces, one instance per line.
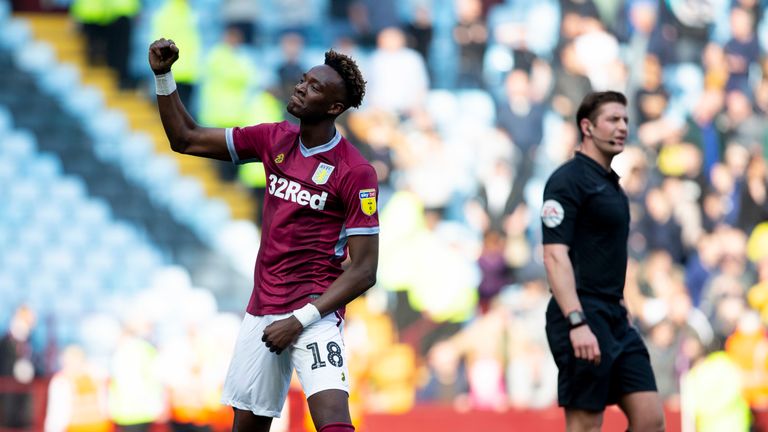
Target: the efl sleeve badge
pixel 368 201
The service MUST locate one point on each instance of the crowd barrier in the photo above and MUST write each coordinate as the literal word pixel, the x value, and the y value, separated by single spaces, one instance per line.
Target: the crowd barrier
pixel 422 418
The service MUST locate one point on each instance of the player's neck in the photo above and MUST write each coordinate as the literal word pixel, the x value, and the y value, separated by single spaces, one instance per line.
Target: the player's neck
pixel 592 152
pixel 316 134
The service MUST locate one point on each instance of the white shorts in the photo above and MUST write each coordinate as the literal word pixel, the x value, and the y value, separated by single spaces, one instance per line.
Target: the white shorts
pixel 258 379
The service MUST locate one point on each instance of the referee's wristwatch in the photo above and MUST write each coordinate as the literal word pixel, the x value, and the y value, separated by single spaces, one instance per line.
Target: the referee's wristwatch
pixel 576 319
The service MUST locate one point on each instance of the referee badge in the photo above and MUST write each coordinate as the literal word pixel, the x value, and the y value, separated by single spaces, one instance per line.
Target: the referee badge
pixel 368 201
pixel 322 173
pixel 552 213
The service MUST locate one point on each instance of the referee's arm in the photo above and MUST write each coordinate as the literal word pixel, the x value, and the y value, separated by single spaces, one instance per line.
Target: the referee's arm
pixel 563 284
pixel 560 276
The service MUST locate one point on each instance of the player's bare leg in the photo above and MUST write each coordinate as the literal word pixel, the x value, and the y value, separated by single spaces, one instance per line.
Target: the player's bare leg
pixel 583 421
pixel 330 410
pixel 644 411
pixel 246 421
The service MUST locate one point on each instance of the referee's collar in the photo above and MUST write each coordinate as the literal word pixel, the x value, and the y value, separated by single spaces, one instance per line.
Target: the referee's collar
pixel 612 175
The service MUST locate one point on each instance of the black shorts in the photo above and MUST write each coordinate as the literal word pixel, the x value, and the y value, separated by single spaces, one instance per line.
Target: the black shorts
pixel 625 365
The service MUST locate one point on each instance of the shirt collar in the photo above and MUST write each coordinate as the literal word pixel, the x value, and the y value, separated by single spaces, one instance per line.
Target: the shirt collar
pixel 307 152
pixel 612 175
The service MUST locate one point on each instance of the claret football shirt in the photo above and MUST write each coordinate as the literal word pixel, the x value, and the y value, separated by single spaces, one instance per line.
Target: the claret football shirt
pixel 315 199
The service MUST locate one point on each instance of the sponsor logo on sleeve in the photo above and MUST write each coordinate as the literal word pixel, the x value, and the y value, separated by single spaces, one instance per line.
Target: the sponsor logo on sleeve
pixel 368 201
pixel 280 158
pixel 552 213
pixel 322 173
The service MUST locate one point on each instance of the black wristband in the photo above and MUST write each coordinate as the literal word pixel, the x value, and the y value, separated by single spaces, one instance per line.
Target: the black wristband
pixel 576 319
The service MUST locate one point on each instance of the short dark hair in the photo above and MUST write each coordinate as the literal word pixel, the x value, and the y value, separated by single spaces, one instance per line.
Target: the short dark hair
pixel 591 104
pixel 350 74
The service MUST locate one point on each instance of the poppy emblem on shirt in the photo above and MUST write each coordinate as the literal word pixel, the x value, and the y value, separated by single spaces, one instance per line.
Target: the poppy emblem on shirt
pixel 552 213
pixel 280 158
pixel 368 201
pixel 322 173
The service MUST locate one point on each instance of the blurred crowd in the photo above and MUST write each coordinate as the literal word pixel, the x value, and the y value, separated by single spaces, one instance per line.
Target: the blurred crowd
pixel 470 105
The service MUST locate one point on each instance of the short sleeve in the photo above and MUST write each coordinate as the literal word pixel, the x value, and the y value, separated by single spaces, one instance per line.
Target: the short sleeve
pixel 559 210
pixel 360 192
pixel 248 144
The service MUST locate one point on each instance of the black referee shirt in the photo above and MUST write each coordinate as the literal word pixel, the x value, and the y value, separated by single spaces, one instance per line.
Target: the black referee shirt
pixel 586 209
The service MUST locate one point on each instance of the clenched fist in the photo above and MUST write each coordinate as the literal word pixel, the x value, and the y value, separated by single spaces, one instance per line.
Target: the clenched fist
pixel 162 54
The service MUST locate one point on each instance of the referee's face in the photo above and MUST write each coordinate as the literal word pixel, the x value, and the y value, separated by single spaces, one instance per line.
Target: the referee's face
pixel 609 131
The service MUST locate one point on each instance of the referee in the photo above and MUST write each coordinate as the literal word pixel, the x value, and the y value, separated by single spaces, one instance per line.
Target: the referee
pixel 585 222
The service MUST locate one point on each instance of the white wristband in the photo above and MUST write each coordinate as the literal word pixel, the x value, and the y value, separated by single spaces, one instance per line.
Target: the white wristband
pixel 165 84
pixel 307 315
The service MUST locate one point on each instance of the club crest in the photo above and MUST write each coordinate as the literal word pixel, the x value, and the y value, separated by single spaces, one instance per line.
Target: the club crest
pixel 322 173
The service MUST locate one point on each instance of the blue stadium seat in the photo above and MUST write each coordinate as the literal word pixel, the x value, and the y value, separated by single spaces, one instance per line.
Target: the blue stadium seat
pixel 158 174
pixel 35 57
pixel 59 260
pixel 99 260
pixel 135 152
pixel 87 285
pixel 20 145
pixel 14 33
pixel 76 237
pixel 186 197
pixel 60 80
pixel 46 169
pixel 25 194
pixel 32 238
pixel 8 172
pixel 68 191
pixel 106 128
pixel 94 213
pixel 49 216
pixel 6 120
pixel 83 102
pixel 118 236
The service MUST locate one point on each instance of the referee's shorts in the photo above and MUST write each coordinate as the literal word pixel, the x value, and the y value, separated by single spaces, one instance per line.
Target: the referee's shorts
pixel 625 365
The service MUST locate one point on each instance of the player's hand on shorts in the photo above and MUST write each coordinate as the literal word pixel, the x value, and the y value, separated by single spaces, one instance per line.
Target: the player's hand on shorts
pixel 585 344
pixel 281 334
pixel 162 54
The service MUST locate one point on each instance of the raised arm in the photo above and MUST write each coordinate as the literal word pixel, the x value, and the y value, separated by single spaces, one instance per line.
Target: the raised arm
pixel 184 134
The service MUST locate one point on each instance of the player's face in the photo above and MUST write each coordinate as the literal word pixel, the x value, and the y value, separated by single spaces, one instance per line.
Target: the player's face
pixel 317 95
pixel 610 129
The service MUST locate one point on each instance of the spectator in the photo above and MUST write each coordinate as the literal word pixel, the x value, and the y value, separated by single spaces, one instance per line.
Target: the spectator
pixel 713 396
pixel 244 15
pixel 742 50
pixel 17 365
pixel 121 19
pixel 748 348
pixel 176 20
pixel 470 34
pixel 419 31
pixel 135 390
pixel 290 70
pixel 229 80
pixel 77 396
pixel 522 118
pixel 753 196
pixel 398 80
